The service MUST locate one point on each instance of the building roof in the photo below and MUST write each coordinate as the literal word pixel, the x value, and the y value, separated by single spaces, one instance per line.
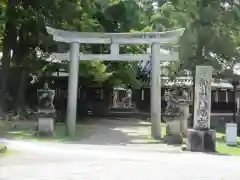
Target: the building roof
pixel 188 81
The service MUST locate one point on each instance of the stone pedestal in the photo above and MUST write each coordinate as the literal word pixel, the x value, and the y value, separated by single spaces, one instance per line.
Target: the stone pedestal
pixel 202 141
pixel 231 133
pixel 173 131
pixel 184 109
pixel 45 125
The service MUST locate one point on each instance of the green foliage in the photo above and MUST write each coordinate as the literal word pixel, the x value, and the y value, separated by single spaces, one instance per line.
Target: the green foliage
pixel 211 37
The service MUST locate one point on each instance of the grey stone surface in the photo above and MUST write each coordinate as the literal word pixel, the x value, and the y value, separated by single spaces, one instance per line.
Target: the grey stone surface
pixel 46 125
pixel 173 139
pixel 184 108
pixel 65 162
pixel 173 131
pixel 202 141
pixel 173 125
pixel 202 101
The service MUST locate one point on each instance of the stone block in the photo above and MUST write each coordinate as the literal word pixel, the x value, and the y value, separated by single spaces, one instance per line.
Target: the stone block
pixel 184 109
pixel 184 126
pixel 173 131
pixel 176 139
pixel 46 125
pixel 173 125
pixel 201 140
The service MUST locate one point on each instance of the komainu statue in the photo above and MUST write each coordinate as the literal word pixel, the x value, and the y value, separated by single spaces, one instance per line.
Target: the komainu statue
pixel 176 116
pixel 46 111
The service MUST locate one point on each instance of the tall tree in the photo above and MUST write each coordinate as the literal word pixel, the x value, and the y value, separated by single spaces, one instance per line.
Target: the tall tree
pixel 8 42
pixel 211 37
pixel 25 30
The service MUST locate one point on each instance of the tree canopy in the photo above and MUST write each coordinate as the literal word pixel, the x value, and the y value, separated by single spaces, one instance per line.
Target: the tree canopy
pixel 212 35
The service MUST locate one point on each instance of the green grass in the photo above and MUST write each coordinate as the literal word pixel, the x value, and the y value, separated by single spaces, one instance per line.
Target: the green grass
pixel 83 131
pixel 2 146
pixel 28 133
pixel 221 146
pixel 7 152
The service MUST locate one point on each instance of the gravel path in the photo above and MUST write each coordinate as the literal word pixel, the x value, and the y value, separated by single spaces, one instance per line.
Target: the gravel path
pixel 111 163
pixel 101 159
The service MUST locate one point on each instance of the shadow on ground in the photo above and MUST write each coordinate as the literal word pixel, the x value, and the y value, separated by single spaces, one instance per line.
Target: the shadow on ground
pixel 108 132
pixel 114 131
pixel 26 130
pixel 118 132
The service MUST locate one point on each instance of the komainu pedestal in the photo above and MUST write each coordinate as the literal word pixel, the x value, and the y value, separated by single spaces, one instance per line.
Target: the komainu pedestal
pixel 46 111
pixel 173 130
pixel 46 122
pixel 184 109
pixel 201 140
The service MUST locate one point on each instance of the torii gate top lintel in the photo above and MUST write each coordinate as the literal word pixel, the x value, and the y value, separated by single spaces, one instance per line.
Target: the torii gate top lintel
pixel 116 38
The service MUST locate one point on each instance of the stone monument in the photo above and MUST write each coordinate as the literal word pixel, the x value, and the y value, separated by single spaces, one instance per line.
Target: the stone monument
pixel 176 115
pixel 46 111
pixel 201 137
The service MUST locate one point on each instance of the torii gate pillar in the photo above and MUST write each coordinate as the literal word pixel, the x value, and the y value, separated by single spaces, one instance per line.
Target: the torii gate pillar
pixel 72 88
pixel 156 92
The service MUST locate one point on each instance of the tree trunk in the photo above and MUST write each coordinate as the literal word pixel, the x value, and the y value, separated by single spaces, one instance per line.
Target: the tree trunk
pixel 8 41
pixel 21 92
pixel 5 71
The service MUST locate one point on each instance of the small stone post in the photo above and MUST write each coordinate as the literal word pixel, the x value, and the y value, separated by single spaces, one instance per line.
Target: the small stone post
pixel 201 137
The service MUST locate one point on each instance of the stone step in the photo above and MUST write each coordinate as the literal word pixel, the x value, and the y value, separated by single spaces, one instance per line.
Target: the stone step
pixel 123 109
pixel 140 115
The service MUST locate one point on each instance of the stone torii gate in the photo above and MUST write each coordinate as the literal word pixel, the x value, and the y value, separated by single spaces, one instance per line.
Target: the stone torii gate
pixel 154 39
